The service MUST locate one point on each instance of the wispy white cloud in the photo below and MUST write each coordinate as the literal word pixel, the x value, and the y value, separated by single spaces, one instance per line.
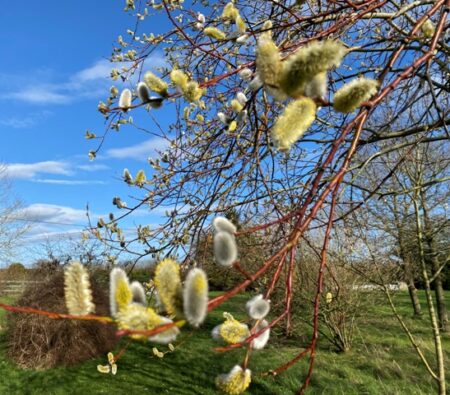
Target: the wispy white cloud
pixel 44 235
pixel 91 82
pixel 51 221
pixel 139 151
pixel 52 213
pixel 91 167
pixel 69 182
pixel 40 95
pixel 31 170
pixel 26 121
pixel 99 70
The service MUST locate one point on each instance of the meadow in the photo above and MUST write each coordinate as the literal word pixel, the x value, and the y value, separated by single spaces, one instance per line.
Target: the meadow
pixel 382 361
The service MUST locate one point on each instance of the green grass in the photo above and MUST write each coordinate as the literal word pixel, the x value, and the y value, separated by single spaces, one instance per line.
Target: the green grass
pixel 381 362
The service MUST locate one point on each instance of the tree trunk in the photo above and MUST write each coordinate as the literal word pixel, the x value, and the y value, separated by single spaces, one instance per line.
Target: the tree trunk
pixel 433 319
pixel 432 260
pixel 407 266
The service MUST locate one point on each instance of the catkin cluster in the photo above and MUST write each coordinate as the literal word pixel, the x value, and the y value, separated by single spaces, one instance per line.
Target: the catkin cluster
pixel 302 76
pixel 190 89
pixel 231 331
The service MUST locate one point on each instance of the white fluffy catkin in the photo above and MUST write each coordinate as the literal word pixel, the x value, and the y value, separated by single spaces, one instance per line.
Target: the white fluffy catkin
pixel 77 290
pixel 195 297
pixel 225 248
pixel 258 307
pixel 138 293
pixel 260 342
pixel 125 99
pixel 223 224
pixel 142 92
pixel 245 74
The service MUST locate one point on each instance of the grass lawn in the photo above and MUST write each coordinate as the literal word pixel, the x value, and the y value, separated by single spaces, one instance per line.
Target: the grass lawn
pixel 381 362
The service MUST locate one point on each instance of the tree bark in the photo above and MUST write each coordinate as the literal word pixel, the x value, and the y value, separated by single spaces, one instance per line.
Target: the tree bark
pixel 432 259
pixel 407 266
pixel 433 320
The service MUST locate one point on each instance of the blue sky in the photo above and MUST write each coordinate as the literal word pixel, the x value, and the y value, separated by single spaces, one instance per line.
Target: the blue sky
pixel 53 72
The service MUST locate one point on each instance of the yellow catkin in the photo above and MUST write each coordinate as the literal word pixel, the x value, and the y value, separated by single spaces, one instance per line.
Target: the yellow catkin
pixel 240 24
pixel 293 123
pixel 215 33
pixel 428 29
pixel 352 95
pixel 236 105
pixel 110 358
pixel 230 12
pixel 235 382
pixel 329 297
pixel 268 61
pixel 308 61
pixel 120 294
pixel 140 178
pixel 192 92
pixel 103 368
pixel 195 297
pixel 123 294
pixel 77 290
pixel 138 317
pixel 191 89
pixel 156 84
pixel 168 284
pixel 232 126
pixel 179 79
pixel 232 331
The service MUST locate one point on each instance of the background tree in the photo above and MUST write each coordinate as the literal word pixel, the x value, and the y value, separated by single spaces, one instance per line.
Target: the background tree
pixel 12 228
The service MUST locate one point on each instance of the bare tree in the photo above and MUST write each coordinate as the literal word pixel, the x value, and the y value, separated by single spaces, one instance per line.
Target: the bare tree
pixel 12 228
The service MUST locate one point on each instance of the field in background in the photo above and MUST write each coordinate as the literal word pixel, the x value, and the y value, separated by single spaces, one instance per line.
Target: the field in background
pixel 382 362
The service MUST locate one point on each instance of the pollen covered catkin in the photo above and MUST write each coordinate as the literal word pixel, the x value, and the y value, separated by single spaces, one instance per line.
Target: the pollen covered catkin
pixel 268 61
pixel 293 123
pixel 156 84
pixel 230 11
pixel 235 382
pixel 312 59
pixel 428 29
pixel 120 295
pixel 352 95
pixel 77 290
pixel 179 79
pixel 168 284
pixel 215 33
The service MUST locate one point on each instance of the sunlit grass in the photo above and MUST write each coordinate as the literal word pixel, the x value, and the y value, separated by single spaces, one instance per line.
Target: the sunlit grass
pixel 381 362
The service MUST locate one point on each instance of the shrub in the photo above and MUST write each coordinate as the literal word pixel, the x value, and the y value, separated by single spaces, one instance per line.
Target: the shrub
pixel 39 342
